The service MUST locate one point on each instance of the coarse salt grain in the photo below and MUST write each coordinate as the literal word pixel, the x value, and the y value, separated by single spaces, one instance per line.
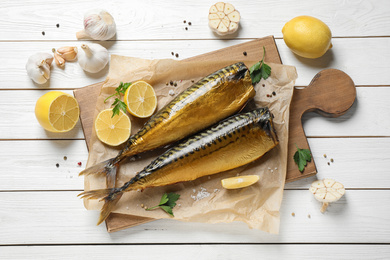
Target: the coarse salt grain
pixel 171 92
pixel 201 194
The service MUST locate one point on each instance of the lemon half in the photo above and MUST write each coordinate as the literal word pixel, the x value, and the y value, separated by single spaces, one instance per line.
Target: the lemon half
pixel 57 111
pixel 140 99
pixel 307 36
pixel 112 130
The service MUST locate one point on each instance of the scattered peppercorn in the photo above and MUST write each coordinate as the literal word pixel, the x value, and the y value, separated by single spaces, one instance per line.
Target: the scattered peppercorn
pixel 331 160
pixel 309 216
pixel 328 163
pixel 189 23
pixel 65 158
pixel 324 155
pixel 175 84
pixel 171 83
pixel 274 93
pixel 57 165
pixel 293 214
pixel 172 53
pixel 184 21
pixel 79 163
pixel 192 81
pixel 186 28
pixel 166 83
pixel 43 33
pixel 58 25
pixel 177 55
pixel 245 53
pixel 263 85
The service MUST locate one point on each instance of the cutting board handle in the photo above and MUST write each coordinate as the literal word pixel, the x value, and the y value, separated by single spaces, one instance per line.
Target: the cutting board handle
pixel 331 93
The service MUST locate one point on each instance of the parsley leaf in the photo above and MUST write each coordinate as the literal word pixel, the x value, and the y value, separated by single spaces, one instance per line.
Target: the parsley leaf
pixel 167 202
pixel 119 104
pixel 301 157
pixel 260 70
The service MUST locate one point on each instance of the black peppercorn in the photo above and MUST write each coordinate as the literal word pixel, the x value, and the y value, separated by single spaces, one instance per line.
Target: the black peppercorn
pixel 244 53
pixel 274 93
pixel 57 165
pixel 43 33
pixel 177 55
pixel 189 23
pixel 58 25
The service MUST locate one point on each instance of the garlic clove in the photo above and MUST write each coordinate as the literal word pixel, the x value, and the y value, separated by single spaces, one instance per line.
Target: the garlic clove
pixel 38 67
pixel 98 25
pixel 92 57
pixel 68 53
pixel 58 59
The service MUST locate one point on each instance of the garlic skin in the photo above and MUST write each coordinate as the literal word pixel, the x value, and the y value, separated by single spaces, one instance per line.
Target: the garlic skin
pixel 92 57
pixel 98 25
pixel 38 67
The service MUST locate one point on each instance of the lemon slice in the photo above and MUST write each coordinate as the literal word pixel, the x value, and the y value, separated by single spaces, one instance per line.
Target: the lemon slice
pixel 112 130
pixel 239 182
pixel 140 99
pixel 57 111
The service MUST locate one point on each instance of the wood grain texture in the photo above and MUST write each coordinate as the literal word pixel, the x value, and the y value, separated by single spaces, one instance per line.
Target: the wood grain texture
pixel 331 93
pixel 192 252
pixel 142 19
pixel 346 55
pixel 350 124
pixel 38 171
pixel 40 218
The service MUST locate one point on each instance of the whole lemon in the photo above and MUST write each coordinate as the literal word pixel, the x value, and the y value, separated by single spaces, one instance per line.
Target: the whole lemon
pixel 307 36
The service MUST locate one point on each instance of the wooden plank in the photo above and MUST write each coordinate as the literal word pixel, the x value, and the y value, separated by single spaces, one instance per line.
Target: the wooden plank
pixel 40 218
pixel 137 20
pixel 161 252
pixel 353 159
pixel 26 126
pixel 346 55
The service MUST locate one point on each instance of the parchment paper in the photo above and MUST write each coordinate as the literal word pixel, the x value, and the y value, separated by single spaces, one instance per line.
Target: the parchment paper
pixel 202 200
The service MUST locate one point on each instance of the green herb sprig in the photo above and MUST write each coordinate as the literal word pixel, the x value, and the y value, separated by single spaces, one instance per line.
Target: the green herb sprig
pixel 167 202
pixel 118 103
pixel 260 70
pixel 301 157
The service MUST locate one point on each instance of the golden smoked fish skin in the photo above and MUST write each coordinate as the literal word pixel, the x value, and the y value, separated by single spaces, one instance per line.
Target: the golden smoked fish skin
pixel 235 141
pixel 206 102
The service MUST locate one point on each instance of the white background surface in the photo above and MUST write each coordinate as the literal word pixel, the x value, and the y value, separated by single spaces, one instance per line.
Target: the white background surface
pixel 40 216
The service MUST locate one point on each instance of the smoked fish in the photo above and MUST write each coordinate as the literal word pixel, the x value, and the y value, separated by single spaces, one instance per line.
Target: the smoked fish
pixel 233 142
pixel 215 97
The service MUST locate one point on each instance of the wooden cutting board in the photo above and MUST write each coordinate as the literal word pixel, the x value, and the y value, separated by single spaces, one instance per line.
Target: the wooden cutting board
pixel 331 93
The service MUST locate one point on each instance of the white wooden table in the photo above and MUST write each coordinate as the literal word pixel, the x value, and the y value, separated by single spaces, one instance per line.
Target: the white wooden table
pixel 40 215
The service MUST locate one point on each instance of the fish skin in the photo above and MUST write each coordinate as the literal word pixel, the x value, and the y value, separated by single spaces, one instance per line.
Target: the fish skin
pixel 233 142
pixel 206 102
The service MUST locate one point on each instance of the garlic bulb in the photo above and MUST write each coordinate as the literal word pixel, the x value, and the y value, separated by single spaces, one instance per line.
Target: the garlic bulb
pixel 98 25
pixel 93 57
pixel 38 67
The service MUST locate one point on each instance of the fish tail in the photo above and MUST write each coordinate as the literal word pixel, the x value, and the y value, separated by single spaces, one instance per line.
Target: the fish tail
pixel 110 197
pixel 107 168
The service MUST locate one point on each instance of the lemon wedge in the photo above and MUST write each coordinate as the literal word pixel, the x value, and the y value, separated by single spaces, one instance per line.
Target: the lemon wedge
pixel 140 99
pixel 57 111
pixel 112 130
pixel 239 181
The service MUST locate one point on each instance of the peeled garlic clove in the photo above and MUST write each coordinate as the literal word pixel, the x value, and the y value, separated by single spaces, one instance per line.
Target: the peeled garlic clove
pixel 58 59
pixel 92 57
pixel 98 25
pixel 68 53
pixel 223 18
pixel 38 67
